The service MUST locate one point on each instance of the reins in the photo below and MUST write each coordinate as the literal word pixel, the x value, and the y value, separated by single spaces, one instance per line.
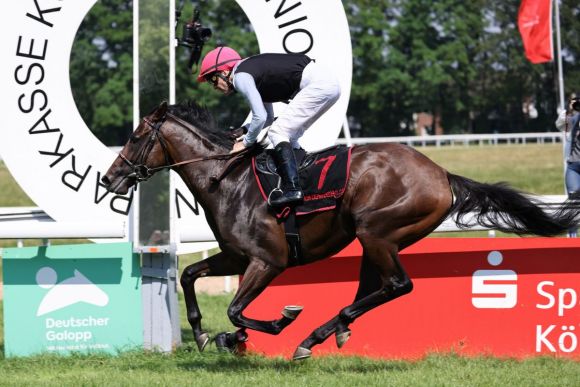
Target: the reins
pixel 142 172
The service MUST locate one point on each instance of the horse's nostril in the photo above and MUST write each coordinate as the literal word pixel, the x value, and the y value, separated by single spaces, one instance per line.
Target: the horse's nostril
pixel 105 180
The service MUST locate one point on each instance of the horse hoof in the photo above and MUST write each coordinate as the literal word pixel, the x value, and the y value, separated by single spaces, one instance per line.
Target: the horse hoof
pixel 241 336
pixel 221 342
pixel 202 341
pixel 292 311
pixel 301 353
pixel 231 342
pixel 342 338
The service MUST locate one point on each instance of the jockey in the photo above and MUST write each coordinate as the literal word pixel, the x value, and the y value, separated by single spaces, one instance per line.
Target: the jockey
pixel 267 78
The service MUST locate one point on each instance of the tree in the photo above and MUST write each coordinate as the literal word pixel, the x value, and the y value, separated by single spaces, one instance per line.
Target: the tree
pixel 460 61
pixel 230 27
pixel 101 70
pixel 570 28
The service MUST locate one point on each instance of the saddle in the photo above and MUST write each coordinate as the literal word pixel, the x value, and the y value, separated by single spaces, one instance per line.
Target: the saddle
pixel 323 178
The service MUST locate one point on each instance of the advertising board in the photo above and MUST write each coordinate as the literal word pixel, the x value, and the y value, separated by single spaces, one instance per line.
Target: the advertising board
pixel 82 298
pixel 503 297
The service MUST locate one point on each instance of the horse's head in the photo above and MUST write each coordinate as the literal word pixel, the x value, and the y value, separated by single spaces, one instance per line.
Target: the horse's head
pixel 142 155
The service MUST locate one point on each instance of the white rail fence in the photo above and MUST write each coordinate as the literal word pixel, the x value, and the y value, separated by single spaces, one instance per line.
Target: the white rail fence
pixel 461 139
pixel 549 203
pixel 33 223
pixel 449 139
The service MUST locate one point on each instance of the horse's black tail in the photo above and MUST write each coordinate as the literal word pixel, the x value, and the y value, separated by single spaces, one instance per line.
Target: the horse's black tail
pixel 503 208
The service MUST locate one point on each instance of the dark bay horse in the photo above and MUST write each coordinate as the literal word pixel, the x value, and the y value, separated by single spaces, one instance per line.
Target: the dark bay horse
pixel 394 197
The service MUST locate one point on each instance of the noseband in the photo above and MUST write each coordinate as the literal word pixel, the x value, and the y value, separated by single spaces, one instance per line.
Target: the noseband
pixel 140 171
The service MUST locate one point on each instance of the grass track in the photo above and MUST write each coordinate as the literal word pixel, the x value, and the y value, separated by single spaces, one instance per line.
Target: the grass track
pixel 192 369
pixel 187 367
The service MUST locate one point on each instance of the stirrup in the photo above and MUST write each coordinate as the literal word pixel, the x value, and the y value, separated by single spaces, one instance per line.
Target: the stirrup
pixel 270 195
pixel 284 200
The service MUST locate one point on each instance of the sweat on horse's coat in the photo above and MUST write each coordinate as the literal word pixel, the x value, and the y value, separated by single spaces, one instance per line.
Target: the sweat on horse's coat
pixel 394 197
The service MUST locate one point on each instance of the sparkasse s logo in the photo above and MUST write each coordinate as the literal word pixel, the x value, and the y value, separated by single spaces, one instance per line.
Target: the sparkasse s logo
pixel 494 288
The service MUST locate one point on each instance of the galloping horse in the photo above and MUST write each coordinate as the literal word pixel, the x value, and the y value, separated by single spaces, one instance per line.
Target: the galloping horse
pixel 394 197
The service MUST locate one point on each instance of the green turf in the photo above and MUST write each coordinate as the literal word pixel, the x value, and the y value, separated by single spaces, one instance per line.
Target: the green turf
pixel 187 367
pixel 11 195
pixel 532 168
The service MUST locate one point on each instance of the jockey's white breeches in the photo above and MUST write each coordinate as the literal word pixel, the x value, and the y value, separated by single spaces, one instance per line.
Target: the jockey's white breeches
pixel 319 90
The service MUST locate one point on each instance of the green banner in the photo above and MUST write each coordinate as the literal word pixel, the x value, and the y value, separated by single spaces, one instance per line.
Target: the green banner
pixel 72 298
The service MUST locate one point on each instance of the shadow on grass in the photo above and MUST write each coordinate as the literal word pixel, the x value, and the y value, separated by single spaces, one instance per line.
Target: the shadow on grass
pixel 190 359
pixel 229 363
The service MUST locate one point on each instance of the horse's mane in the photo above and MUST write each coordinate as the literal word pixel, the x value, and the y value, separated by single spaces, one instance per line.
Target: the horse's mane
pixel 201 118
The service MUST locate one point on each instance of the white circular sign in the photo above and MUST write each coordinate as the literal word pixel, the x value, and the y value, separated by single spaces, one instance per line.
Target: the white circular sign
pixel 44 142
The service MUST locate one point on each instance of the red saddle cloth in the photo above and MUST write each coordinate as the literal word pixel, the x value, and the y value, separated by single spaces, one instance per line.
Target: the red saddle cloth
pixel 323 178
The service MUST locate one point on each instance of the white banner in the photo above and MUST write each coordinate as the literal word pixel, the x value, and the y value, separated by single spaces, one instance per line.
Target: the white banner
pixel 44 141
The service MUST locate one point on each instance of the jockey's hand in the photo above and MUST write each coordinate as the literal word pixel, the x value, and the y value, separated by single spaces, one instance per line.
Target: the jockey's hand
pixel 238 146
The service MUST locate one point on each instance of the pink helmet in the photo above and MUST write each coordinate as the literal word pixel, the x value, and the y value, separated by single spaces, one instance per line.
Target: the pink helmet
pixel 218 59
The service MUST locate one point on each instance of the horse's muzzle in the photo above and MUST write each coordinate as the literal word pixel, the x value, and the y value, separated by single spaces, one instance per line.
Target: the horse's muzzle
pixel 105 180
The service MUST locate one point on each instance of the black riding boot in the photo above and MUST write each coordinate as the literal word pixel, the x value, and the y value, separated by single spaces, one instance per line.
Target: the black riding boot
pixel 288 171
pixel 575 195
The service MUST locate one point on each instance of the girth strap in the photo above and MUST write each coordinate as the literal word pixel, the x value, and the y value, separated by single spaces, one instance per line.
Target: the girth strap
pixel 295 257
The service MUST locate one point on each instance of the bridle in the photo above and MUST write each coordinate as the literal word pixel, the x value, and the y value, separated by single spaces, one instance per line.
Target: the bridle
pixel 141 172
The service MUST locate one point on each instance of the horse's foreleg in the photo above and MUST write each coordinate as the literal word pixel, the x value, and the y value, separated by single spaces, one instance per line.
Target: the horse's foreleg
pixel 216 265
pixel 257 276
pixel 382 279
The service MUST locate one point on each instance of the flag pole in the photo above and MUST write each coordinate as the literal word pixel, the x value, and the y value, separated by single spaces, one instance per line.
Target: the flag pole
pixel 559 55
pixel 572 232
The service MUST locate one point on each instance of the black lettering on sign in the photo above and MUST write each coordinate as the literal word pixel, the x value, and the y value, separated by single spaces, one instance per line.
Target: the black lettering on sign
pixel 56 153
pixel 32 99
pixel 292 22
pixel 298 31
pixel 41 12
pixel 72 174
pixel 24 81
pixel 30 54
pixel 194 207
pixel 281 11
pixel 98 198
pixel 47 128
pixel 121 204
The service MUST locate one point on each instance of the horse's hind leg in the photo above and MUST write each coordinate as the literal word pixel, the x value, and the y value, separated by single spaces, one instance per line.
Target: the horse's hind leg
pixel 369 281
pixel 216 265
pixel 382 279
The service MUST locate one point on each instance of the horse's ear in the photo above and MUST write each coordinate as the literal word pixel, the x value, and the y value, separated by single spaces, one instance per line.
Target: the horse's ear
pixel 161 111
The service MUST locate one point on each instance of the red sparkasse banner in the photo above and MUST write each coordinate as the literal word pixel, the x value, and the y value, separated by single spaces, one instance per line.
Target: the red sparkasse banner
pixel 514 297
pixel 535 25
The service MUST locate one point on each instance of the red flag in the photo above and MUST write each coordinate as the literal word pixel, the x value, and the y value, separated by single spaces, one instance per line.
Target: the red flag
pixel 535 25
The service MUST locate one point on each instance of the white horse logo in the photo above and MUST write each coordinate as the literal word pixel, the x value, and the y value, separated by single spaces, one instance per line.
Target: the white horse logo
pixel 69 292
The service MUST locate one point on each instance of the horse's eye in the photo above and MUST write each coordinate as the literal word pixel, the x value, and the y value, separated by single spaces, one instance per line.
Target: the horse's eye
pixel 134 138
